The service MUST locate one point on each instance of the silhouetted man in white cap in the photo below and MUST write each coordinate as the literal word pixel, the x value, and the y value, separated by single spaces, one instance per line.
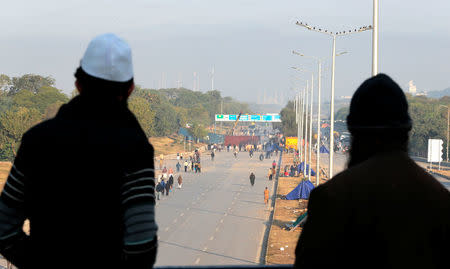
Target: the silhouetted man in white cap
pixel 384 211
pixel 84 179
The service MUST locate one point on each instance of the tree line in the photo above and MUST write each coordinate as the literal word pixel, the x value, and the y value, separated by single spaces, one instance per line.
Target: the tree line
pixel 29 99
pixel 429 118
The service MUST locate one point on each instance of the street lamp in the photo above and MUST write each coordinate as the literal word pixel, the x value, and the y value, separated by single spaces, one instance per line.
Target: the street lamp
pixel 375 39
pixel 319 80
pixel 306 97
pixel 448 125
pixel 300 117
pixel 334 35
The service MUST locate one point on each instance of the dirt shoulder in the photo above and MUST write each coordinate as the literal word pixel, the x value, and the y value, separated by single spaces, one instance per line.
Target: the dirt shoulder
pixel 282 242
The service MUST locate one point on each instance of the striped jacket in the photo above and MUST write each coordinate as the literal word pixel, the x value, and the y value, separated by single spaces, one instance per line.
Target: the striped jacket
pixel 85 180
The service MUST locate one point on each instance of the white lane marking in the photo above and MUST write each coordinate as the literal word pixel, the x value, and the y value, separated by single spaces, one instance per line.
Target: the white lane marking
pixel 167 228
pixel 197 261
pixel 182 214
pixel 211 238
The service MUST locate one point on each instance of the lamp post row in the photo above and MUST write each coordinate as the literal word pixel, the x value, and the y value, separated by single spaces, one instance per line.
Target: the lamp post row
pixel 374 29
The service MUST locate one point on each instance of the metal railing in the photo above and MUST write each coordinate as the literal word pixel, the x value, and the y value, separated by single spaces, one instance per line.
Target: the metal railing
pixel 278 266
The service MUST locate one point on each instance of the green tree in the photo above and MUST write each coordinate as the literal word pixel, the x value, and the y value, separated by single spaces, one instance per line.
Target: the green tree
pixel 41 100
pixel 289 126
pixel 5 82
pixel 198 131
pixel 342 113
pixel 146 117
pixel 30 82
pixel 13 124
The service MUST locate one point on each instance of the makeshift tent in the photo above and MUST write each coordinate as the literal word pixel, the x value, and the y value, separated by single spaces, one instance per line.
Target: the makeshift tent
pixel 302 191
pixel 301 167
pixel 272 147
pixel 323 149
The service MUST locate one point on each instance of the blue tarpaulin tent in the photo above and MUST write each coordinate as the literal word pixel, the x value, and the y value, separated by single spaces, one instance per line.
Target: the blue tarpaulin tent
pixel 273 147
pixel 302 167
pixel 302 191
pixel 323 149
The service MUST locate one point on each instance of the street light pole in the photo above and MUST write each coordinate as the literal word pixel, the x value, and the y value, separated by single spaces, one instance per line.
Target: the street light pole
pixel 330 172
pixel 310 127
pixel 318 125
pixel 375 39
pixel 334 35
pixel 306 128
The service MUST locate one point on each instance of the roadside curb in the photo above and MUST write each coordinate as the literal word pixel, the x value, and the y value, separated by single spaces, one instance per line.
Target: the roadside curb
pixel 265 250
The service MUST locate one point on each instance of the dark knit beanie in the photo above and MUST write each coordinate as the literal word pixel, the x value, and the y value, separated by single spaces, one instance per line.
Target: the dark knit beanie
pixel 379 103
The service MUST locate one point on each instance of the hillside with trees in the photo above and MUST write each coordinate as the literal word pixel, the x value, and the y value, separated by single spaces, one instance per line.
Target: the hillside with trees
pixel 30 99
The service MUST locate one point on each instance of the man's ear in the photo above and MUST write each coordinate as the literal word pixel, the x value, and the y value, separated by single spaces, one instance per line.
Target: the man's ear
pixel 78 86
pixel 130 90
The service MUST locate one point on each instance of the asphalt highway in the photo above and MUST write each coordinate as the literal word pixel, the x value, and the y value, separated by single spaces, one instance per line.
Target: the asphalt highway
pixel 217 217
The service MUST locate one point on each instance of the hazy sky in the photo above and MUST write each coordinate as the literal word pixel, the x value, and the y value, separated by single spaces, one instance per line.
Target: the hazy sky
pixel 248 41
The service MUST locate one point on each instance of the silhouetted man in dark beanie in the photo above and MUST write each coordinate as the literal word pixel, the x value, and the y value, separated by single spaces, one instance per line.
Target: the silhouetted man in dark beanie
pixel 384 211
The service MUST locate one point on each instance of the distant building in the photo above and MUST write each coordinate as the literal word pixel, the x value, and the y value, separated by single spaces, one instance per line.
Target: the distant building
pixel 412 88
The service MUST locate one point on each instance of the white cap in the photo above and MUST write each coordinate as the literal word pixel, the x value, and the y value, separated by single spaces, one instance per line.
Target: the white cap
pixel 108 57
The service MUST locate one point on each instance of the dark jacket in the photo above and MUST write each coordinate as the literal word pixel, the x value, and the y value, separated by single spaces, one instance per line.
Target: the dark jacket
pixel 80 172
pixel 385 212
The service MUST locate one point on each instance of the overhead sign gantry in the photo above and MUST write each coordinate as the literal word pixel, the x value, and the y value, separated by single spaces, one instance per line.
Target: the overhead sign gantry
pixel 249 118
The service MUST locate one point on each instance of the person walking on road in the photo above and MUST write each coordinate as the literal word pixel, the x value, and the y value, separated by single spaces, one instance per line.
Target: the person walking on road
pixel 170 182
pixel 160 188
pixel 235 154
pixel 79 203
pixel 212 155
pixel 161 161
pixel 199 167
pixel 167 187
pixel 164 172
pixel 180 181
pixel 252 179
pixel 266 196
pixel 186 164
pixel 178 166
pixel 274 164
pixel 384 210
pixel 269 175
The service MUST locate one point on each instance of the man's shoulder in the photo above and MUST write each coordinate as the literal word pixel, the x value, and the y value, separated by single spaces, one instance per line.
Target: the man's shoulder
pixel 39 130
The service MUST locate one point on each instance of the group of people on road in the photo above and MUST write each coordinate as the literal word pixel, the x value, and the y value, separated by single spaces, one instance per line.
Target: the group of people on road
pixel 165 182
